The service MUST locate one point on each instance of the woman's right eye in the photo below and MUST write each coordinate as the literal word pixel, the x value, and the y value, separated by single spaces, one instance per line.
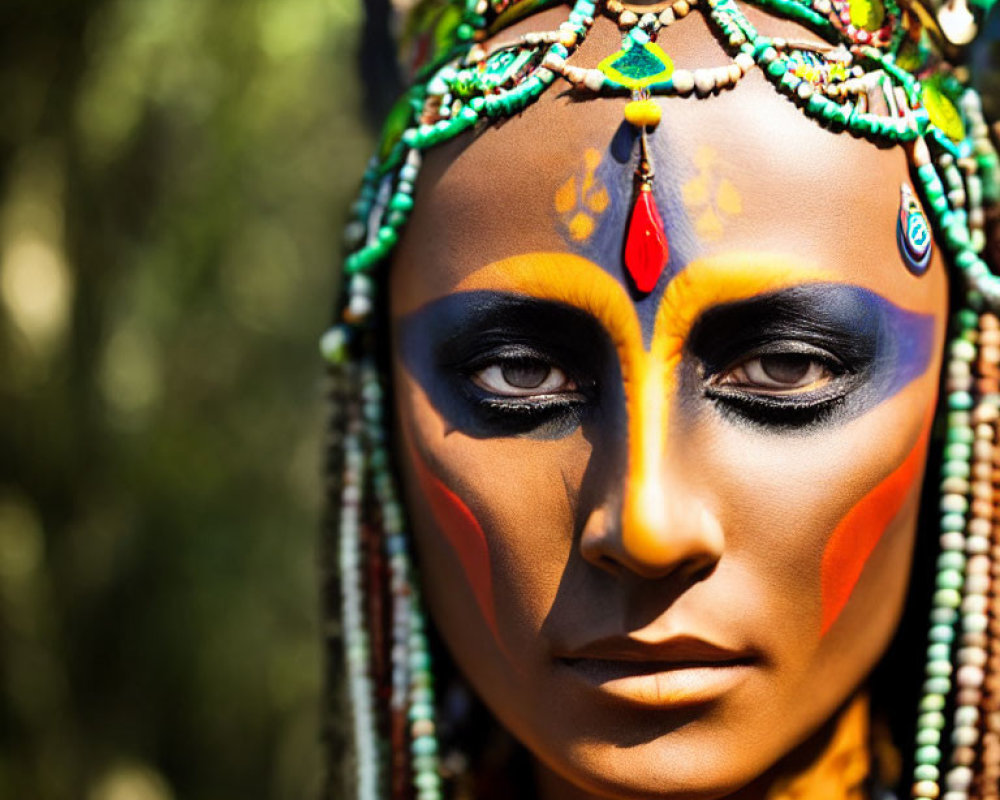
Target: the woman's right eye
pixel 523 378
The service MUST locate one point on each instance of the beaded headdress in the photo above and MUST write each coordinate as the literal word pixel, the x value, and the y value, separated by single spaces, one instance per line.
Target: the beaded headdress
pixel 887 73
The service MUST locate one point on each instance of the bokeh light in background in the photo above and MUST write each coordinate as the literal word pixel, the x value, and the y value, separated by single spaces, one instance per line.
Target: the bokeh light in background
pixel 174 175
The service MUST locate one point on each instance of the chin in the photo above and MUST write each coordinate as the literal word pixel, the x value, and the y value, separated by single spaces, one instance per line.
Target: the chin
pixel 702 752
pixel 668 768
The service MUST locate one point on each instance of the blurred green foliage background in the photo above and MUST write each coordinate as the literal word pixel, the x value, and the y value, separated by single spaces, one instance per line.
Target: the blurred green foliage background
pixel 174 175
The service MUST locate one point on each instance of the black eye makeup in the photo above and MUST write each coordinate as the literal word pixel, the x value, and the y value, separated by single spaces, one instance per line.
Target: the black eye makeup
pixel 499 365
pixel 495 364
pixel 788 369
pixel 808 354
pixel 527 384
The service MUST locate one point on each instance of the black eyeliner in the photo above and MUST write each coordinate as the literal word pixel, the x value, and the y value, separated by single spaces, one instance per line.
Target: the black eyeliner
pixel 790 410
pixel 448 341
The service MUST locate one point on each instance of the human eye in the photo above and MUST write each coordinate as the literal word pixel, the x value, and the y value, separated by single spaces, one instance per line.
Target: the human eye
pixel 786 383
pixel 518 380
pixel 496 364
pixel 518 389
pixel 796 357
pixel 786 369
pixel 523 377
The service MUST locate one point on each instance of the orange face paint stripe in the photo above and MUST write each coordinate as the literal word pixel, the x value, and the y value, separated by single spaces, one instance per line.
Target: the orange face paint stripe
pixel 856 535
pixel 466 537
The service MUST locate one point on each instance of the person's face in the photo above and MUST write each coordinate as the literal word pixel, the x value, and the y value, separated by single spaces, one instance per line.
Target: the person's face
pixel 665 536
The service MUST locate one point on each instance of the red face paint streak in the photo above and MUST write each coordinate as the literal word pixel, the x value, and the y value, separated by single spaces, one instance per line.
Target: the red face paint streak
pixel 466 537
pixel 857 534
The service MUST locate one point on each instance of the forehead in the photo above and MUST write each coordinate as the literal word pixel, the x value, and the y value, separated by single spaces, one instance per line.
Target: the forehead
pixel 743 171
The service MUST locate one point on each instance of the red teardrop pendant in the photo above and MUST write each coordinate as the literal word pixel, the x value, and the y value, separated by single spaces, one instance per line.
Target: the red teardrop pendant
pixel 646 247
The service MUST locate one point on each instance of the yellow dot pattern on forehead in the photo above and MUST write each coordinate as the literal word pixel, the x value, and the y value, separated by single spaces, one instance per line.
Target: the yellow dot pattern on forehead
pixel 711 199
pixel 582 199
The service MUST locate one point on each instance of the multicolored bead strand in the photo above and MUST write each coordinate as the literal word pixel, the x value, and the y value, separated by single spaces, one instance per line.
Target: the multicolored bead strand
pixel 989 780
pixel 412 689
pixel 954 506
pixel 424 743
pixel 394 543
pixel 650 21
pixel 970 656
pixel 965 562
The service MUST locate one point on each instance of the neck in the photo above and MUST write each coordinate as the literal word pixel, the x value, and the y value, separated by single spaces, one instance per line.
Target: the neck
pixel 831 765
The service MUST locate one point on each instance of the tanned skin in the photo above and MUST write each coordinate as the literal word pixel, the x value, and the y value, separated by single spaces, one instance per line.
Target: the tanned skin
pixel 667 536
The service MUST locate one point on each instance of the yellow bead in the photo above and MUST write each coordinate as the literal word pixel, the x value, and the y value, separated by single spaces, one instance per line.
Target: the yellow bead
pixel 643 113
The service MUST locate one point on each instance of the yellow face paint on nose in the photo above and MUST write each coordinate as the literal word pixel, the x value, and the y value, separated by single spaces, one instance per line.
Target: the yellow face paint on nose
pixel 649 375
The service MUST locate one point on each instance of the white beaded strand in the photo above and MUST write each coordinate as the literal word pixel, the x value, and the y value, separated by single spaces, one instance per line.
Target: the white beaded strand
pixel 412 674
pixel 361 692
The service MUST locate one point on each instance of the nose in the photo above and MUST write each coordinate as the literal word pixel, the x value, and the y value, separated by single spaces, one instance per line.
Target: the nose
pixel 656 521
pixel 657 526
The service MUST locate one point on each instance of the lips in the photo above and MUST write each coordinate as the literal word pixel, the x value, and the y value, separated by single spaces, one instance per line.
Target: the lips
pixel 674 672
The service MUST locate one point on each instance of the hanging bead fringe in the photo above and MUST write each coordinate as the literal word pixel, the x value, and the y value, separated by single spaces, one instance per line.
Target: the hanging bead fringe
pixel 361 691
pixel 413 759
pixel 966 568
pixel 989 779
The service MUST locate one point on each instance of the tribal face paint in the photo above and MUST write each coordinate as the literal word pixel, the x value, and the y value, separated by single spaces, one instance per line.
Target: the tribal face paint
pixel 859 532
pixel 562 309
pixel 731 459
pixel 465 535
pixel 599 195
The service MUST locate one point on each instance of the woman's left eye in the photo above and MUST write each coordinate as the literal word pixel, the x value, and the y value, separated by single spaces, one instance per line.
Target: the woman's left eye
pixel 778 373
pixel 523 377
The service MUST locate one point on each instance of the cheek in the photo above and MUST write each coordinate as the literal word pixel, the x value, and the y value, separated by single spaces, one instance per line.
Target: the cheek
pixel 804 515
pixel 855 537
pixel 463 533
pixel 493 519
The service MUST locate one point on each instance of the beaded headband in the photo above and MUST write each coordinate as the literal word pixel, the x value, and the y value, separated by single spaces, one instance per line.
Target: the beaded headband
pixel 886 73
pixel 882 76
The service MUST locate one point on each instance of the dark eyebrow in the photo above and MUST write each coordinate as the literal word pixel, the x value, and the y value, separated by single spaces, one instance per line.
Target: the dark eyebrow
pixel 847 319
pixel 447 325
pixel 855 324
